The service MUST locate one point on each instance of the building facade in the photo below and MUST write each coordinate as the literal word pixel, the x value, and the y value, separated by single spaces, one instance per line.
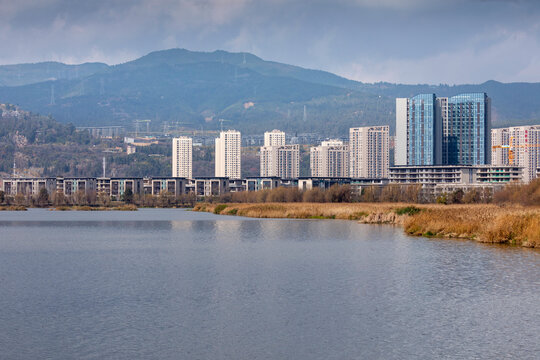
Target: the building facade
pixel 278 159
pixel 182 157
pixel 330 159
pixel 466 121
pixel 517 146
pixel 369 152
pixel 274 138
pixel 228 160
pixel 443 131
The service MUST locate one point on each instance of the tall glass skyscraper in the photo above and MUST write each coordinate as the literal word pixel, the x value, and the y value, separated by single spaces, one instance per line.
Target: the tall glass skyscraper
pixel 443 131
pixel 466 122
pixel 418 131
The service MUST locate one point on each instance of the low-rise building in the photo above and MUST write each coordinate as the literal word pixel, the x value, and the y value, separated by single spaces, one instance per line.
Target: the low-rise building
pixel 28 185
pixel 261 183
pixel 171 185
pixel 209 186
pixel 71 185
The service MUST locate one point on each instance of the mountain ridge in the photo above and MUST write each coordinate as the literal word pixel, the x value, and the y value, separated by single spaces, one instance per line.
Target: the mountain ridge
pixel 178 85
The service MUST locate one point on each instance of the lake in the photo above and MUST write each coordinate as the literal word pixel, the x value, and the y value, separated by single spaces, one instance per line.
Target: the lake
pixel 175 284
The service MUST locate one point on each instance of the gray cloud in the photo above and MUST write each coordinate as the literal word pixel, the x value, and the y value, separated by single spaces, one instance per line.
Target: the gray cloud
pixel 428 41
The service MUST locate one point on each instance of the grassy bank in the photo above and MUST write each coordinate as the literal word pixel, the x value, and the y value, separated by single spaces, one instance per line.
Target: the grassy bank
pixel 514 225
pixel 127 207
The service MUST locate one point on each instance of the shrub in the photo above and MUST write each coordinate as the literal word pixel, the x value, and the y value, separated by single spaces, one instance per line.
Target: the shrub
pixel 407 210
pixel 219 208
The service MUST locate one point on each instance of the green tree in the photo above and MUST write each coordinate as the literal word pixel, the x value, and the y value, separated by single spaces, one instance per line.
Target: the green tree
pixel 2 197
pixel 43 197
pixel 128 196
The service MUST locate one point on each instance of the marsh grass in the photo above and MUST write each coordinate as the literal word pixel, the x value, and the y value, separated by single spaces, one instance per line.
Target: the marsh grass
pixel 509 224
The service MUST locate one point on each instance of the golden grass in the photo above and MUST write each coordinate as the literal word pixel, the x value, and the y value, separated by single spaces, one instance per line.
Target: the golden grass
pixel 515 225
pixel 13 208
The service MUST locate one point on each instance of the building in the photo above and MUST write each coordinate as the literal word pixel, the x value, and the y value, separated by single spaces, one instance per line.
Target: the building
pixel 517 146
pixel 182 157
pixel 228 158
pixel 73 185
pixel 369 152
pixel 466 121
pixel 28 185
pixel 261 183
pixel 209 186
pixel 330 159
pixel 280 161
pixel 441 178
pixel 274 138
pixel 174 186
pixel 418 131
pixel 443 131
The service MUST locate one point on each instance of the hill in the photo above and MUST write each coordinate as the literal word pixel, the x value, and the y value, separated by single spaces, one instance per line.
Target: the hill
pixel 196 89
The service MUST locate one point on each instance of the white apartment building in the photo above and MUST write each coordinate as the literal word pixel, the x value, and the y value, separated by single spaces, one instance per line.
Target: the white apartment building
pixel 278 159
pixel 369 152
pixel 228 155
pixel 274 138
pixel 330 159
pixel 517 146
pixel 182 157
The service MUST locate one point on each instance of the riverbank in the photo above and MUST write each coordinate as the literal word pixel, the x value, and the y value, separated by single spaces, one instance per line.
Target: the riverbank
pixel 512 224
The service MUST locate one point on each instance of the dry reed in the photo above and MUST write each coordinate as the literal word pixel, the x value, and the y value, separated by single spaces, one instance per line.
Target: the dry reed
pixel 513 224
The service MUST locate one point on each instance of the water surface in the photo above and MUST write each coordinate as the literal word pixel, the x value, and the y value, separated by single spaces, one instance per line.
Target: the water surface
pixel 174 284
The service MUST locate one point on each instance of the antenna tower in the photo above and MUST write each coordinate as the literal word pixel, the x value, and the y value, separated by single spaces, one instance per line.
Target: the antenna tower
pixel 52 102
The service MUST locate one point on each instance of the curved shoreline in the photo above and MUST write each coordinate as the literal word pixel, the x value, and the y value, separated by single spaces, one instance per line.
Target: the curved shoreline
pixel 486 223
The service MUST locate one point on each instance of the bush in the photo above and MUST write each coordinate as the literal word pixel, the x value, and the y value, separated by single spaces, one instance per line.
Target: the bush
pixel 219 208
pixel 407 210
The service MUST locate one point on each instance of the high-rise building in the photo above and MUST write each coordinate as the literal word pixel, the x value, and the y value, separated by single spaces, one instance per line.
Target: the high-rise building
pixel 369 152
pixel 466 121
pixel 443 131
pixel 228 155
pixel 330 159
pixel 517 146
pixel 278 159
pixel 418 131
pixel 182 148
pixel 274 138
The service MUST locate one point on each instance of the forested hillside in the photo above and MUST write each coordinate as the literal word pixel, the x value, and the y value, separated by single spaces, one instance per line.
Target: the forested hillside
pixel 196 89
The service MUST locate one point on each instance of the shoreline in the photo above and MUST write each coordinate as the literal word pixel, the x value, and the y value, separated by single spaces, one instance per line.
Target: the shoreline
pixel 508 224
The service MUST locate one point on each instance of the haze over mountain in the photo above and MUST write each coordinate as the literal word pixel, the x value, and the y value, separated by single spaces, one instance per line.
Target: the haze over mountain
pixel 195 89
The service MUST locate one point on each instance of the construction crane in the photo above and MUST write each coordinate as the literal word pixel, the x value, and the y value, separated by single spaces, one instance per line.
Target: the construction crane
pixel 511 150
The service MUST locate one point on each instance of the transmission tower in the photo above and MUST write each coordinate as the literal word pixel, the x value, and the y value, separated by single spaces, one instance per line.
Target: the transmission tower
pixel 52 102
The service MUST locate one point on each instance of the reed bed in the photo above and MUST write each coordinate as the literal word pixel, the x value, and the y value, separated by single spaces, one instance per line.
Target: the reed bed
pixel 510 224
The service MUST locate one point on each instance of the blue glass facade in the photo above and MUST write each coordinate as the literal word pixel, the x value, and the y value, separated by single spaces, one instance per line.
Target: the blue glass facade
pixel 421 136
pixel 466 124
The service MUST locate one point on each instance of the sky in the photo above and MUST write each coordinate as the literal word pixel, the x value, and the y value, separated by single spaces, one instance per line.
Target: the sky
pixel 399 41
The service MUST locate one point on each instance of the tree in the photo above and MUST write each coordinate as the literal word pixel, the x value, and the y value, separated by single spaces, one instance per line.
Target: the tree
pixel 128 196
pixel 2 197
pixel 43 197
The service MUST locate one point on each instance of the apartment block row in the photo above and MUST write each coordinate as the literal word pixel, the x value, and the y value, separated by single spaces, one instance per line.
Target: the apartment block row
pixel 366 155
pixel 517 146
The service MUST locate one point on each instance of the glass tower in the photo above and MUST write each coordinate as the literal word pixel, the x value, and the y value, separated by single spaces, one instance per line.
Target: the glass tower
pixel 466 129
pixel 421 135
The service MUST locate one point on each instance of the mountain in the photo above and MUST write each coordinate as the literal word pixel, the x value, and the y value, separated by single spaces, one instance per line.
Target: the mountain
pixel 24 74
pixel 196 89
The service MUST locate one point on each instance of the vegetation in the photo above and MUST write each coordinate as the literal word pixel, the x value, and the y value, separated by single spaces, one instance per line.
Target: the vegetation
pixel 200 88
pixel 514 225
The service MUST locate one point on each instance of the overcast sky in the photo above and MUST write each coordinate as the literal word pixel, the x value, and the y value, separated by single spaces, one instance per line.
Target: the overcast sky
pixel 407 41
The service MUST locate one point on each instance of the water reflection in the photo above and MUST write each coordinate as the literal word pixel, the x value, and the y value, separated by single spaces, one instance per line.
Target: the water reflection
pixel 176 284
